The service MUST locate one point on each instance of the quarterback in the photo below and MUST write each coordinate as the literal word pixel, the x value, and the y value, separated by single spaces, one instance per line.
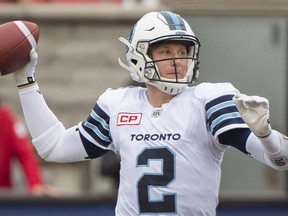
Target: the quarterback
pixel 170 135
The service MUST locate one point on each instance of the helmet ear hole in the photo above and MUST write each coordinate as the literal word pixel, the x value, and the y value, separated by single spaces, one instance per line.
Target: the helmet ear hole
pixel 134 61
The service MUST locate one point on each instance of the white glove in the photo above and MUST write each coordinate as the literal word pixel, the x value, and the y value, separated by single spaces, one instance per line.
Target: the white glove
pixel 26 76
pixel 255 112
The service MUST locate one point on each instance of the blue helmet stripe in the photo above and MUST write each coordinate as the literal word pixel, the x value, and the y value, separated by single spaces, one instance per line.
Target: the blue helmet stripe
pixel 131 35
pixel 175 22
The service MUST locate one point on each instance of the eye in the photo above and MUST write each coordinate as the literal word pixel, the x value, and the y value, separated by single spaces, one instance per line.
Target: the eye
pixel 166 52
pixel 182 53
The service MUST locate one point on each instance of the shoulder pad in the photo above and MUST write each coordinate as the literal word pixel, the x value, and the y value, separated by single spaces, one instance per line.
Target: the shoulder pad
pixel 208 91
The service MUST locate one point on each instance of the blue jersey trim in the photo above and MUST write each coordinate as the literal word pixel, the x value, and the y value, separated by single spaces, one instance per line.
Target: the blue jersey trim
pixel 236 138
pixel 222 112
pixel 91 149
pixel 97 126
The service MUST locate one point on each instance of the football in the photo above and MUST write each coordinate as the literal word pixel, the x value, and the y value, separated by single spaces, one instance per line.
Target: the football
pixel 17 39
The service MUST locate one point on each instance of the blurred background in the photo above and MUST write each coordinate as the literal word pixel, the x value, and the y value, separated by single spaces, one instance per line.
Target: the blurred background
pixel 243 42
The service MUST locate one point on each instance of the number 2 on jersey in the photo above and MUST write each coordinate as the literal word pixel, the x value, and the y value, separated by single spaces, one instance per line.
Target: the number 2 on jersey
pixel 149 180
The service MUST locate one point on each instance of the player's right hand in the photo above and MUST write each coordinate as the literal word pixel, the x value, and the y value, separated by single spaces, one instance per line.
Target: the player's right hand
pixel 26 75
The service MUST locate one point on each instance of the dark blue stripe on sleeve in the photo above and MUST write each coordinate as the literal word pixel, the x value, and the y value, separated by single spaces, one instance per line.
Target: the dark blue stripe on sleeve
pixel 222 112
pixel 218 113
pixel 97 125
pixel 226 123
pixel 92 150
pixel 218 100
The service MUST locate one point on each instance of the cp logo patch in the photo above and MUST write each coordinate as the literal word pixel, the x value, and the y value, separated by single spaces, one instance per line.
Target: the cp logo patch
pixel 125 118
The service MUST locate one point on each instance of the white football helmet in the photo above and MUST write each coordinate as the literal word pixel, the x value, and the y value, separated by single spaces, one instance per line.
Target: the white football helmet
pixel 157 27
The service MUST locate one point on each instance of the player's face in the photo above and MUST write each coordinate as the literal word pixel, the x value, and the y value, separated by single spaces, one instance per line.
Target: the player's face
pixel 171 68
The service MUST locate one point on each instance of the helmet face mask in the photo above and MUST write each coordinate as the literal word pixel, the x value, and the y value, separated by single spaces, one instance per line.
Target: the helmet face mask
pixel 157 28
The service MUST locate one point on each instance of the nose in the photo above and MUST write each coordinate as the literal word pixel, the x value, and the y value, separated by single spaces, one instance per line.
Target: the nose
pixel 176 60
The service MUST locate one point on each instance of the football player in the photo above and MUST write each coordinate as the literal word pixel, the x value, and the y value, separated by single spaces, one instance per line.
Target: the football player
pixel 171 136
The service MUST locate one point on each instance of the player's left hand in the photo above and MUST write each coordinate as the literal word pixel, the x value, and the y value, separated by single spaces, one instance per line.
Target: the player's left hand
pixel 255 112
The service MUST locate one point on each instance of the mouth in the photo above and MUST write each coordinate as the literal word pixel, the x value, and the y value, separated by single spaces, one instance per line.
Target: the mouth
pixel 174 75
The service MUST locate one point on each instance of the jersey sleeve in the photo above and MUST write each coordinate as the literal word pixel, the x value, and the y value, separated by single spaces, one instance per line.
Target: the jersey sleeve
pixel 221 112
pixel 95 131
pixel 223 119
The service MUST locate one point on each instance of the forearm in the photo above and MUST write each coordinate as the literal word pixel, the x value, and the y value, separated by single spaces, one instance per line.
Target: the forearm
pixel 38 116
pixel 264 144
pixel 272 150
pixel 278 158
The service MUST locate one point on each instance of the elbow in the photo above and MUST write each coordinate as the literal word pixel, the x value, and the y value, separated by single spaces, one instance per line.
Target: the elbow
pixel 46 142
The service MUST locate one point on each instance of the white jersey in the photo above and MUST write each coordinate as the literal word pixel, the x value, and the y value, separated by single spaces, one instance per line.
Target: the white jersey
pixel 170 156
